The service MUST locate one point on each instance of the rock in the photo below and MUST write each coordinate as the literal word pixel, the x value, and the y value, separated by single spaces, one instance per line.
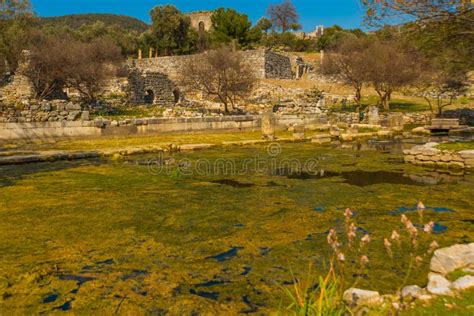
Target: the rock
pixel 467 154
pixel 452 258
pixel 85 116
pixel 358 297
pixel 420 130
pixel 114 123
pixel 268 124
pixel 321 139
pixel 438 284
pixel 73 115
pixel 463 283
pixel 412 291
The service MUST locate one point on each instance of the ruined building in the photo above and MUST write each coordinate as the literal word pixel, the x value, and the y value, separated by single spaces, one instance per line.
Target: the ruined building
pixel 156 80
pixel 201 20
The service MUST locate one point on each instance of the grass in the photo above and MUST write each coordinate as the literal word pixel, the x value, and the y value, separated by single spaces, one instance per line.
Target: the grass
pixel 145 241
pixel 441 306
pixel 457 146
pixel 130 141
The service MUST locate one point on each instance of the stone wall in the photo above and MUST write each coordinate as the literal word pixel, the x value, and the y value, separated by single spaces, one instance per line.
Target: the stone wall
pixel 429 156
pixel 265 63
pixel 152 88
pixel 277 66
pixel 46 111
pixel 145 126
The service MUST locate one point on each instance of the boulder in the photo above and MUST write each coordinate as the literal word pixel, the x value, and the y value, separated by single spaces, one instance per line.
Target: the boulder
pixel 438 284
pixel 412 292
pixel 452 258
pixel 463 283
pixel 357 297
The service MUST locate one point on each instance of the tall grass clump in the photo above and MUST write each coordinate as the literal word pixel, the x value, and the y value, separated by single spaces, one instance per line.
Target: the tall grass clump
pixel 406 248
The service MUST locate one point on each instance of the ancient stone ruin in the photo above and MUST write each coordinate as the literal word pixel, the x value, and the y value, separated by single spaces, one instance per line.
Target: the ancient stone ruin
pixel 156 80
pixel 201 20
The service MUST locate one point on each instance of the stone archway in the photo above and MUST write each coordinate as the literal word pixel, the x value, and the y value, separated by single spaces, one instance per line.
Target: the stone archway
pixel 177 96
pixel 149 96
pixel 201 26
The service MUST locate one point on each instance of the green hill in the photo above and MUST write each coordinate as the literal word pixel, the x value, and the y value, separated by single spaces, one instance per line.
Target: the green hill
pixel 76 20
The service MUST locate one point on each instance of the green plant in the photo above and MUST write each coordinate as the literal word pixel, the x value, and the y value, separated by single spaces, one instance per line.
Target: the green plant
pixel 322 298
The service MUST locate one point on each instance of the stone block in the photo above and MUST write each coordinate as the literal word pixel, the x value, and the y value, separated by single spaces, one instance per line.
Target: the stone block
pixel 467 154
pixel 438 284
pixel 357 297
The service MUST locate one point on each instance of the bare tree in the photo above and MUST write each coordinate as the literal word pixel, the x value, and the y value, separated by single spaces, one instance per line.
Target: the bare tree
pixel 440 87
pixel 348 62
pixel 284 16
pixel 221 73
pixel 391 67
pixel 90 64
pixel 55 62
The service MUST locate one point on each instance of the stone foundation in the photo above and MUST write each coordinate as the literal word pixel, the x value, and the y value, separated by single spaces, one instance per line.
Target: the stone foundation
pixel 429 156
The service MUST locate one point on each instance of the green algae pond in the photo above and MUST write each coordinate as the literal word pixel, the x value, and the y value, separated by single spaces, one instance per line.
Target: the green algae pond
pixel 219 231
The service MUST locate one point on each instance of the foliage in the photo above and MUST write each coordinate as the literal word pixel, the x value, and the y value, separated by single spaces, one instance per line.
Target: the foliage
pixel 335 35
pixel 221 73
pixel 171 32
pixel 9 9
pixel 443 29
pixel 319 296
pixel 288 41
pixel 264 25
pixel 15 27
pixel 229 26
pixel 74 21
pixel 284 16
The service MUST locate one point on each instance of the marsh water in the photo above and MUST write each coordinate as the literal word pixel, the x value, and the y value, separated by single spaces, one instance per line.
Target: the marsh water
pixel 215 231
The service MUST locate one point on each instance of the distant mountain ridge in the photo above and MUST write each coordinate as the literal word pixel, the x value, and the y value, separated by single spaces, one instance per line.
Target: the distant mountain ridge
pixel 76 20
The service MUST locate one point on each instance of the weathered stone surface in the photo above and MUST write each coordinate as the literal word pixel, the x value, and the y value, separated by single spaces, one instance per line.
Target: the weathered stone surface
pixel 420 130
pixel 463 283
pixel 268 124
pixel 321 139
pixel 358 297
pixel 467 154
pixel 85 116
pixel 452 258
pixel 438 284
pixel 412 291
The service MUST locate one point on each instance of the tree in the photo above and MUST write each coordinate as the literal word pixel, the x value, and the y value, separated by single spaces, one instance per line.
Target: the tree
pixel 283 16
pixel 392 66
pixel 335 35
pixel 264 25
pixel 171 32
pixel 9 9
pixel 15 27
pixel 61 61
pixel 441 87
pixel 423 11
pixel 348 62
pixel 439 28
pixel 228 25
pixel 221 73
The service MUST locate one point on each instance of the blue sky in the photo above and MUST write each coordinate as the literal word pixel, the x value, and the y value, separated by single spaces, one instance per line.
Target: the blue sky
pixel 347 13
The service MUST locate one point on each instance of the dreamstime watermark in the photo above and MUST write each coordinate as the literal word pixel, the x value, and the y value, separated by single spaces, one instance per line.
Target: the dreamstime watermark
pixel 272 162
